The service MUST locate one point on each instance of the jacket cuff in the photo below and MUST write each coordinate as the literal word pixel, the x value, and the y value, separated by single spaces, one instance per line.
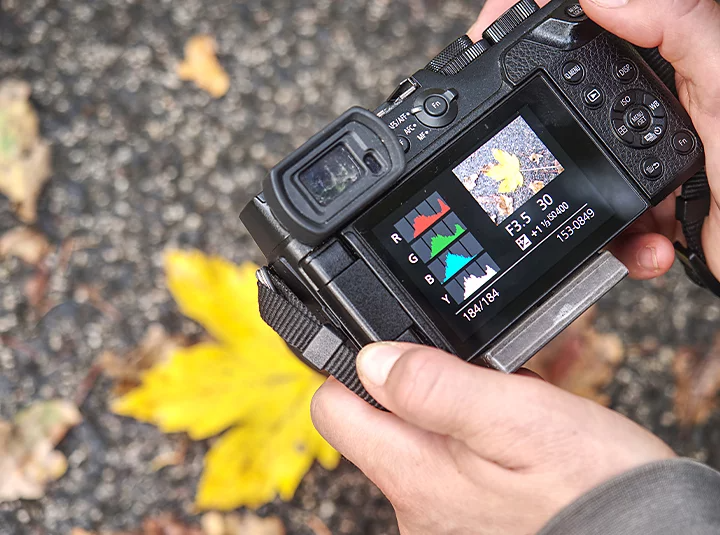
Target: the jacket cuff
pixel 676 496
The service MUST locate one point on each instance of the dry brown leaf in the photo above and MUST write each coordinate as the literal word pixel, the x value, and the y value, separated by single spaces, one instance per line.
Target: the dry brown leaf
pixel 505 205
pixel 536 186
pixel 697 381
pixel 202 67
pixel 581 360
pixel 212 524
pixel 245 524
pixel 24 156
pixel 27 244
pixel 154 348
pixel 535 157
pixel 170 458
pixel 28 460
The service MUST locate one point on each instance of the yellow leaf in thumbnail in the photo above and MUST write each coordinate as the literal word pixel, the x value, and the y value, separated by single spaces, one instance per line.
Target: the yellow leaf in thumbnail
pixel 506 171
pixel 248 379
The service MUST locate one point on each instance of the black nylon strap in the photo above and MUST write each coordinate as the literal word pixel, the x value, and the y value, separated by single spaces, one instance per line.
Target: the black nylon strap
pixel 281 309
pixel 693 205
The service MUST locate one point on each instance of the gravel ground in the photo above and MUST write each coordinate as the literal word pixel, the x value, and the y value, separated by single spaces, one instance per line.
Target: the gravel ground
pixel 143 162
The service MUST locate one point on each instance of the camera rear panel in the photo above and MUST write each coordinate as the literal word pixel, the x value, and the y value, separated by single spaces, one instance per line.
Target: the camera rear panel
pixel 525 154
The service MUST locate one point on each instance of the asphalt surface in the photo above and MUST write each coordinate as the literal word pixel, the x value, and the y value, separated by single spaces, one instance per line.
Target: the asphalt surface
pixel 144 161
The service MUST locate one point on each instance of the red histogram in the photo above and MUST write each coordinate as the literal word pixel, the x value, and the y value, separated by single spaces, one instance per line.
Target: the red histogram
pixel 423 222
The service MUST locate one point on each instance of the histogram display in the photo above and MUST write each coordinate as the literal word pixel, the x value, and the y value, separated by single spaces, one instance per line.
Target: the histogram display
pixel 454 257
pixel 473 278
pixel 424 216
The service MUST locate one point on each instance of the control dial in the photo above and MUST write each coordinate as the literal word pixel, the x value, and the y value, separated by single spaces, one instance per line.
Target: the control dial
pixel 453 49
pixel 465 58
pixel 510 20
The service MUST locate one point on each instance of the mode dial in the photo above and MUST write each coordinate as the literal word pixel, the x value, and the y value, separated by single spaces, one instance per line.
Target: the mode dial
pixel 450 51
pixel 465 58
pixel 510 20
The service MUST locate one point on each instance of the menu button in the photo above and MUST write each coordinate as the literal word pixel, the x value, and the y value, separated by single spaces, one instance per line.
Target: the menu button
pixel 573 72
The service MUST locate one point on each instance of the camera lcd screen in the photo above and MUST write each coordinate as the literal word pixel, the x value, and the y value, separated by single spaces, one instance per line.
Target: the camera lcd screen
pixel 331 175
pixel 501 217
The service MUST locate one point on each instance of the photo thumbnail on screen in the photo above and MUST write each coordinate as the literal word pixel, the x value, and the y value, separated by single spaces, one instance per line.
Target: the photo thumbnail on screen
pixel 508 170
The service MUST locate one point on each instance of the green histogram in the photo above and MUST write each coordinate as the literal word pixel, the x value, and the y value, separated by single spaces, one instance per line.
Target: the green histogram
pixel 439 243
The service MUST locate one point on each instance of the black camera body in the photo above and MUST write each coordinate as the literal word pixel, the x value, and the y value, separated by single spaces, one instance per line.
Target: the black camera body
pixel 461 208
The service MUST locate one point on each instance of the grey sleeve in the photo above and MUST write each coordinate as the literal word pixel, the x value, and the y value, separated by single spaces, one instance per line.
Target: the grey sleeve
pixel 677 496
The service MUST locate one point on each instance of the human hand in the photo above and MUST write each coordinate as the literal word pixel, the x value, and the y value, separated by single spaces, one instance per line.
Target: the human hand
pixel 471 450
pixel 687 32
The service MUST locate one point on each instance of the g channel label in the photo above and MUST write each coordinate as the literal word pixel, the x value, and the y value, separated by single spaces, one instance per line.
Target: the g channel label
pixel 442 242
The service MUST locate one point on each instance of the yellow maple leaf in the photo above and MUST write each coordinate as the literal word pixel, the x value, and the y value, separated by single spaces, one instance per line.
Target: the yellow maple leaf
pixel 248 380
pixel 202 66
pixel 506 171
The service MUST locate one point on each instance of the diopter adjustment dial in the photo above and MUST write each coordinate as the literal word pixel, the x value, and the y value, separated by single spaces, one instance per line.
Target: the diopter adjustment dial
pixel 449 52
pixel 510 20
pixel 465 58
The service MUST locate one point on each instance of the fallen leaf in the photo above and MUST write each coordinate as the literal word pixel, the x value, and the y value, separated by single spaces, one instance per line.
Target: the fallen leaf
pixel 535 157
pixel 470 181
pixel 581 360
pixel 28 460
pixel 506 171
pixel 170 458
pixel 246 524
pixel 24 156
pixel 211 524
pixel 202 67
pixel 248 381
pixel 156 347
pixel 160 525
pixel 27 244
pixel 505 205
pixel 536 185
pixel 697 381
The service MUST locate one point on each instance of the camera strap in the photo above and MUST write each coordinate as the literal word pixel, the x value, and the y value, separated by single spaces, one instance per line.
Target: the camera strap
pixel 282 310
pixel 693 205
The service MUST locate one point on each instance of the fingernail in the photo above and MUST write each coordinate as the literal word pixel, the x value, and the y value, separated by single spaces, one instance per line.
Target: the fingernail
pixel 610 3
pixel 374 362
pixel 647 259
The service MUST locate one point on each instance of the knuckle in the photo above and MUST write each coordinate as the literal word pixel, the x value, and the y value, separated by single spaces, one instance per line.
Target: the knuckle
pixel 682 8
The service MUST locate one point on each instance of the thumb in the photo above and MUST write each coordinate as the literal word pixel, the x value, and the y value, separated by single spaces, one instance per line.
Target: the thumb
pixel 686 32
pixel 489 411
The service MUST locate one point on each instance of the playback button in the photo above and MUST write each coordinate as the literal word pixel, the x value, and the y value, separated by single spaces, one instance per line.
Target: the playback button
pixel 593 97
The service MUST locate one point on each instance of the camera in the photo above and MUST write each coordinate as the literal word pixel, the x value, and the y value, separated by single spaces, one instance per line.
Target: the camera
pixel 470 211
